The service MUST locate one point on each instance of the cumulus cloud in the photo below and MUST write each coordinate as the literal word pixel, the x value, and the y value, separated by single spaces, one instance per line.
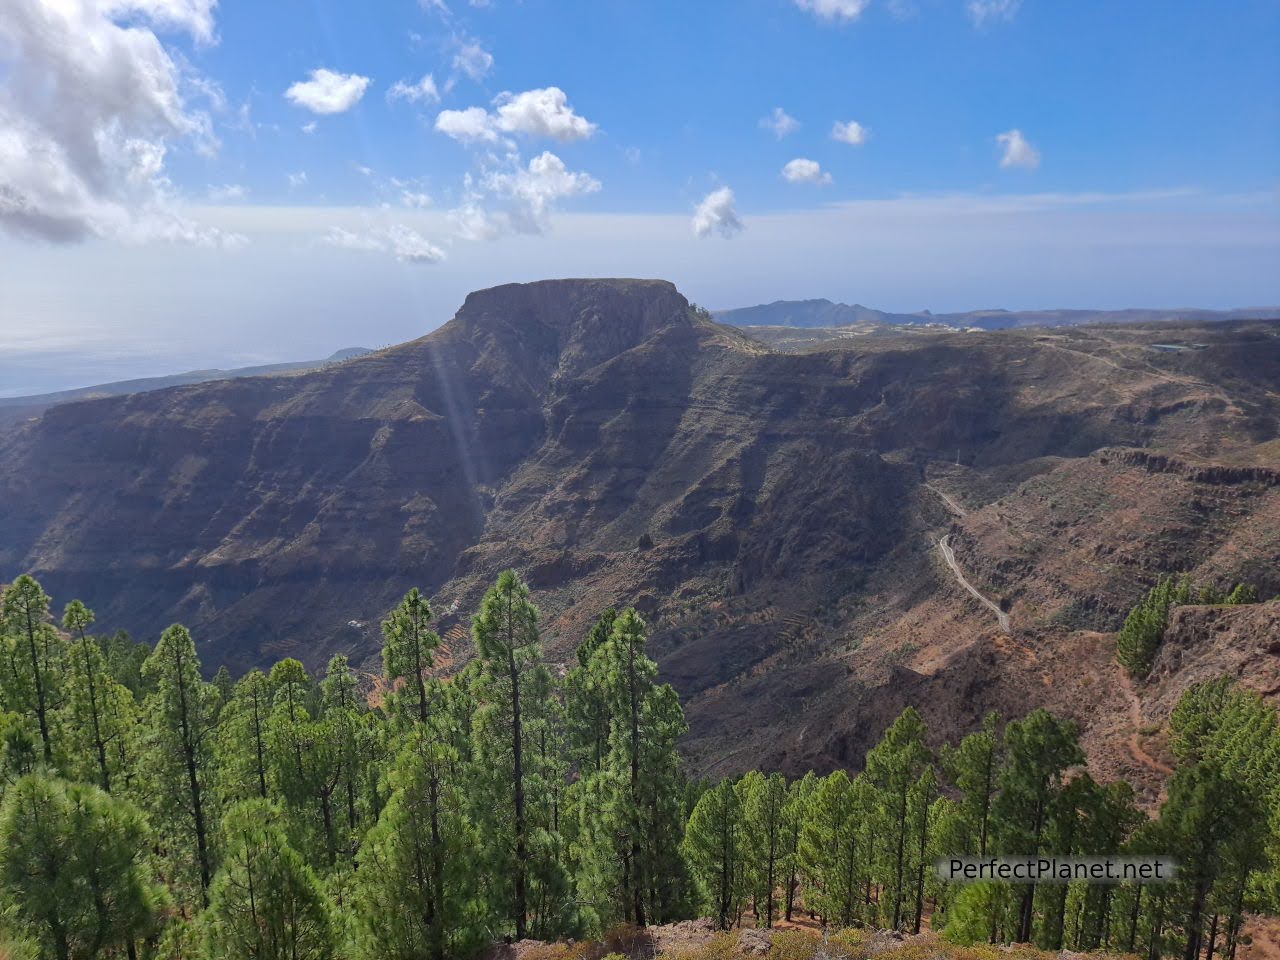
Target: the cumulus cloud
pixel 850 132
pixel 780 122
pixel 472 125
pixel 535 189
pixel 328 91
pixel 90 105
pixel 1016 151
pixel 423 91
pixel 541 113
pixel 842 11
pixel 473 60
pixel 535 113
pixel 297 180
pixel 801 170
pixel 403 242
pixel 983 12
pixel 717 214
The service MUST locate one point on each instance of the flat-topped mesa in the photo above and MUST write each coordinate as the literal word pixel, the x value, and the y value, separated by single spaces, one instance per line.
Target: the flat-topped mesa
pixel 570 326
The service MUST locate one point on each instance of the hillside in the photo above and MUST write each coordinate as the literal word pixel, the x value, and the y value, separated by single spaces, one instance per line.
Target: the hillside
pixel 15 410
pixel 776 516
pixel 823 314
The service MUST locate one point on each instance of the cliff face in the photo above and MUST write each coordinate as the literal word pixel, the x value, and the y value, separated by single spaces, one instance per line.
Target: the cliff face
pixel 774 516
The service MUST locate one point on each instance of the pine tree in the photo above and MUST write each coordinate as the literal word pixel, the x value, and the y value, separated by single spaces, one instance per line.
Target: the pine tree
pixel 765 829
pixel 587 701
pixel 972 767
pixel 102 715
pixel 343 708
pixel 506 637
pixel 180 718
pixel 1242 593
pixel 73 861
pixel 265 902
pixel 416 893
pixel 798 799
pixel 712 845
pixel 893 767
pixel 241 740
pixel 835 848
pixel 34 657
pixel 408 652
pixel 1038 751
pixel 1143 628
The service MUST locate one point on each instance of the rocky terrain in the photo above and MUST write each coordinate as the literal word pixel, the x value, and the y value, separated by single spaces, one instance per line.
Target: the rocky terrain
pixel 775 514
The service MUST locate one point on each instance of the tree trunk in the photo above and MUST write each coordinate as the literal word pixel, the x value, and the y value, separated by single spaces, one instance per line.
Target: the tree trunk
pixel 193 782
pixel 897 874
pixel 517 748
pixel 41 709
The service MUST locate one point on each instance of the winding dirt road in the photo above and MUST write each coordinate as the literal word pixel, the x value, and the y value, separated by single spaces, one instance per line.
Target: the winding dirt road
pixel 950 557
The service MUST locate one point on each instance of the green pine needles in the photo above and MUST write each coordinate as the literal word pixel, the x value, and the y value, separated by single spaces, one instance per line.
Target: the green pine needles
pixel 419 814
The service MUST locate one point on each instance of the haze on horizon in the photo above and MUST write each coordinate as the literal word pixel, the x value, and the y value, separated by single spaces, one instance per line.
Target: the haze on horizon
pixel 245 200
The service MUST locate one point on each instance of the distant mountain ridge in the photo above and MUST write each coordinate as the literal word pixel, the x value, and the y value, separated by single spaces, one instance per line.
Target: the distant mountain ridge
pixel 825 313
pixel 12 408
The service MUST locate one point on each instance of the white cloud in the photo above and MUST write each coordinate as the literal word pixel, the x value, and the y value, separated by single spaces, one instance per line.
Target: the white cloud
pixel 472 125
pixel 780 122
pixel 309 127
pixel 851 132
pixel 424 91
pixel 1016 151
pixel 541 113
pixel 473 60
pixel 405 243
pixel 472 222
pixel 410 246
pixel 536 113
pixel 348 240
pixel 193 16
pixel 844 11
pixel 716 214
pixel 982 12
pixel 801 170
pixel 534 190
pixel 297 180
pixel 90 104
pixel 415 199
pixel 227 193
pixel 328 91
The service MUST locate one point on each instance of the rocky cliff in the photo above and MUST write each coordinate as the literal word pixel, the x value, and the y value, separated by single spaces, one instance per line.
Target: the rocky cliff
pixel 774 515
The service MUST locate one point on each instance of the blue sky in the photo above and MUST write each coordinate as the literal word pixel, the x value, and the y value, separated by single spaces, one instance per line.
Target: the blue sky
pixel 178 186
pixel 1116 97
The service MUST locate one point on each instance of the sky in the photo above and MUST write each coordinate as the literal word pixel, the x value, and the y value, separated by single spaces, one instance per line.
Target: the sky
pixel 194 183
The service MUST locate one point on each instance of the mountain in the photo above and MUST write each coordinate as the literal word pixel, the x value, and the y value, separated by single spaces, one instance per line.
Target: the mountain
pixel 825 314
pixel 778 518
pixel 16 409
pixel 800 313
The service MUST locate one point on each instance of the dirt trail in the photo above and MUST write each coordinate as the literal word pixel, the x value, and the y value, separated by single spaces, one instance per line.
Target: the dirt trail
pixel 1136 748
pixel 950 501
pixel 950 557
